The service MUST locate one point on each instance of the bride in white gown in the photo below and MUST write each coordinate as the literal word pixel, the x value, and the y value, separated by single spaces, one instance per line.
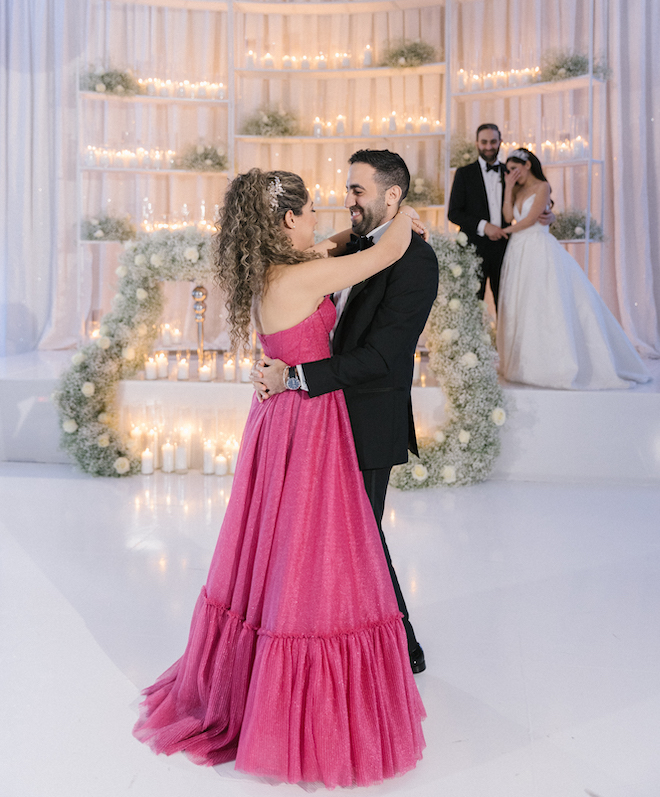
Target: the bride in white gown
pixel 553 329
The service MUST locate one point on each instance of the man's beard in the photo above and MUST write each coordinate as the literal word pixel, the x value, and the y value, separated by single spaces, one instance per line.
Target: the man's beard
pixel 372 216
pixel 494 158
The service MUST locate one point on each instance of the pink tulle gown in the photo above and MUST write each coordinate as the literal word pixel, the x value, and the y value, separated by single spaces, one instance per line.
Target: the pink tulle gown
pixel 297 665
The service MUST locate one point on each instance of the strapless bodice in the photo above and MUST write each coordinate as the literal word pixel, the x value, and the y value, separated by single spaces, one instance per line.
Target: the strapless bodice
pixel 309 340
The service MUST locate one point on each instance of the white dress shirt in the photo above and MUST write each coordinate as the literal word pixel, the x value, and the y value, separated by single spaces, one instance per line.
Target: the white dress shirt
pixel 493 183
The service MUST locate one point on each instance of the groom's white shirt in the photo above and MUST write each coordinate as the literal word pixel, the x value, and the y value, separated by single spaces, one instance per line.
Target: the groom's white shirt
pixel 493 183
pixel 340 298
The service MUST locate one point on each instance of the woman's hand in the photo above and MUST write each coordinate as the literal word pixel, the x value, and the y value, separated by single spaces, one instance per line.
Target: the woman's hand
pixel 417 225
pixel 511 177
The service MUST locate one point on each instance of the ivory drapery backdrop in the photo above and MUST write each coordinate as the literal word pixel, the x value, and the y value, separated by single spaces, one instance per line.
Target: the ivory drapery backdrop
pixel 41 40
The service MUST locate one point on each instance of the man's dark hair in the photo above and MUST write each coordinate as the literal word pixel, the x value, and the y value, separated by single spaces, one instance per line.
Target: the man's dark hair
pixel 488 126
pixel 390 168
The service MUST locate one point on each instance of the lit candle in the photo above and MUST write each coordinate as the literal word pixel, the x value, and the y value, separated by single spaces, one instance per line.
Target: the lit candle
pixel 462 80
pixel 176 336
pixel 249 59
pixel 437 126
pixel 167 452
pixel 180 457
pixel 579 148
pixel 232 450
pixel 346 61
pixel 513 78
pixel 161 362
pixel 489 82
pixel 317 194
pixel 475 82
pixel 366 126
pixel 214 365
pixel 205 373
pixel 424 126
pixel 392 124
pixel 286 62
pixel 304 64
pixel 410 127
pixel 268 61
pixel 133 160
pixel 339 127
pixel 164 88
pixel 151 87
pixel 208 464
pixel 526 76
pixel 417 366
pixel 147 462
pixel 221 465
pixel 321 61
pixel 220 92
pixel 500 80
pixel 332 198
pixel 246 367
pixel 90 157
pixel 366 56
pixel 547 151
pixel 183 369
pixel 317 130
pixel 151 369
pixel 384 125
pixel 229 371
pixel 201 90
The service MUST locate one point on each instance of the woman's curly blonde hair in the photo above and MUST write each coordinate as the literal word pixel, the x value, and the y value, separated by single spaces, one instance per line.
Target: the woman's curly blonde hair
pixel 251 239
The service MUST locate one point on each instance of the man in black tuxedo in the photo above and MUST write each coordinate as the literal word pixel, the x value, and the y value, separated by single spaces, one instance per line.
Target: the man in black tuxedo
pixel 475 205
pixel 379 323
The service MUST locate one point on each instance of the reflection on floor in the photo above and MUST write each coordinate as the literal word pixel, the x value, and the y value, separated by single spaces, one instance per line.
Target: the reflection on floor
pixel 536 605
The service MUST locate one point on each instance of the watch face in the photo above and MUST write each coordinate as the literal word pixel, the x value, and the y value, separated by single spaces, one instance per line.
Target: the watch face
pixel 293 383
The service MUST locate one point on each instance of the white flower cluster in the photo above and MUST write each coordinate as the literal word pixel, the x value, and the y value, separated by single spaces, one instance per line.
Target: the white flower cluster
pixel 86 395
pixel 462 357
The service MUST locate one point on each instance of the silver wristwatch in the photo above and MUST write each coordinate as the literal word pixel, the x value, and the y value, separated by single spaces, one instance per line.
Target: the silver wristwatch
pixel 291 380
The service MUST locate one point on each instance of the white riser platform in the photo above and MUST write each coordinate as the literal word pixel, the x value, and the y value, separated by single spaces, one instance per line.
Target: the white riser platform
pixel 550 435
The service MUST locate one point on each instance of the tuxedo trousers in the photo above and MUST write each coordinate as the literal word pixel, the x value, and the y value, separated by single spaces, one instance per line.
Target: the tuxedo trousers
pixel 375 483
pixel 492 254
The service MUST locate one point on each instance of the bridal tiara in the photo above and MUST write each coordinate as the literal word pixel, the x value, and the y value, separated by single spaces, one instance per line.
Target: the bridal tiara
pixel 521 154
pixel 275 189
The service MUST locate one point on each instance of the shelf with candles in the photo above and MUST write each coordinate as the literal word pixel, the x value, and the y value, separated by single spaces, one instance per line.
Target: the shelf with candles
pixel 350 72
pixel 340 206
pixel 154 171
pixel 154 99
pixel 532 89
pixel 335 139
pixel 315 8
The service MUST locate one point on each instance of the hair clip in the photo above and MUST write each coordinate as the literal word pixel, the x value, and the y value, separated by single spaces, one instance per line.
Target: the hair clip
pixel 275 189
pixel 521 154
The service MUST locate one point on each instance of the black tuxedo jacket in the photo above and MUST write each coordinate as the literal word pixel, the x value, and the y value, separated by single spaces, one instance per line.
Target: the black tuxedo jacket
pixel 373 347
pixel 468 201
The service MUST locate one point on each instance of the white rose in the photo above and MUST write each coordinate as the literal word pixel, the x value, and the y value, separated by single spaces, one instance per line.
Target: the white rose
pixel 191 254
pixel 402 61
pixel 418 189
pixel 119 89
pixel 118 300
pixel 457 271
pixel 103 342
pixel 88 389
pixel 441 300
pixel 579 231
pixel 128 353
pixel 220 151
pixel 419 472
pixel 208 162
pixel 461 238
pixel 103 417
pixel 157 260
pixel 200 149
pixel 466 157
pixel 129 245
pixel 99 234
pixel 78 358
pixel 99 87
pixel 122 465
pixel 141 330
pixel 470 359
pixel 498 416
pixel 464 437
pixel 419 181
pixel 104 329
pixel 141 294
pixel 486 338
pixel 454 304
pixel 448 335
pixel 121 271
pixel 140 260
pixel 439 436
pixel 70 426
pixel 94 222
pixel 103 441
pixel 448 474
pixel 483 304
pixel 475 285
pixel 561 71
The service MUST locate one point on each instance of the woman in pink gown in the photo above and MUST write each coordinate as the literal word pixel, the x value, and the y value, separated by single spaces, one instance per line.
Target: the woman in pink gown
pixel 297 664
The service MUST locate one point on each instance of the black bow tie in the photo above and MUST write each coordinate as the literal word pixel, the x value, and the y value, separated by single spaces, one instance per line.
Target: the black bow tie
pixel 493 167
pixel 358 243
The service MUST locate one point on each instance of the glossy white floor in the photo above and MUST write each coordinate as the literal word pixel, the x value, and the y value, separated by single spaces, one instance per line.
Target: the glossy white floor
pixel 537 605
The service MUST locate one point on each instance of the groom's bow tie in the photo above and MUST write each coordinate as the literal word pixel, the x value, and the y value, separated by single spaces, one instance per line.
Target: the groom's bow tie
pixel 493 167
pixel 358 243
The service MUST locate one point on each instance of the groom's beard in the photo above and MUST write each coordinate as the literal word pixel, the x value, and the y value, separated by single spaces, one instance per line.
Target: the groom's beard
pixel 372 216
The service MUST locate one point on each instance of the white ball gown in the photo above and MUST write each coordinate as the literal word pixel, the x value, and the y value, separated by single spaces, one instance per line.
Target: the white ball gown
pixel 553 329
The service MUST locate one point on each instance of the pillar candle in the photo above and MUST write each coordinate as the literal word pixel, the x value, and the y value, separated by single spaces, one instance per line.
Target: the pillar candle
pixel 151 369
pixel 410 127
pixel 268 61
pixel 489 82
pixel 208 465
pixel 183 369
pixel 147 462
pixel 317 130
pixel 176 336
pixel 249 60
pixel 167 452
pixel 339 127
pixel 366 56
pixel 346 61
pixel 417 366
pixel 161 361
pixel 229 371
pixel 392 123
pixel 246 367
pixel 304 64
pixel 181 457
pixel 462 80
pixel 317 194
pixel 220 465
pixel 424 126
pixel 286 62
pixel 366 126
pixel 332 198
pixel 205 373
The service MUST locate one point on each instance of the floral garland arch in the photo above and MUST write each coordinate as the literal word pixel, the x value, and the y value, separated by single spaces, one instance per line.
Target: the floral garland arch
pixel 461 355
pixel 86 397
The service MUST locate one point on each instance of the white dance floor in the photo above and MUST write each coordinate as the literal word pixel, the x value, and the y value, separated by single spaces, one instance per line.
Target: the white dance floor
pixel 537 605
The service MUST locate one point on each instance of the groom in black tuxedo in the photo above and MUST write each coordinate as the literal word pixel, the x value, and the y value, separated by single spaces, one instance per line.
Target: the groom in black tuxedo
pixel 475 205
pixel 374 340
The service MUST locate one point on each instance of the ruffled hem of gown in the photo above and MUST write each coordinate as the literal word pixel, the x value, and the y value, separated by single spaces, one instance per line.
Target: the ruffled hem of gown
pixel 341 709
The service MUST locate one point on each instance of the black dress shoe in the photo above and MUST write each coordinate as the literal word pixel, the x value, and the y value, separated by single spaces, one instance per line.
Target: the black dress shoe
pixel 417 659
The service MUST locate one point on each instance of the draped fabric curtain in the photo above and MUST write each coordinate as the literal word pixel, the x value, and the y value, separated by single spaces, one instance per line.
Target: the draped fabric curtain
pixel 46 288
pixel 40 42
